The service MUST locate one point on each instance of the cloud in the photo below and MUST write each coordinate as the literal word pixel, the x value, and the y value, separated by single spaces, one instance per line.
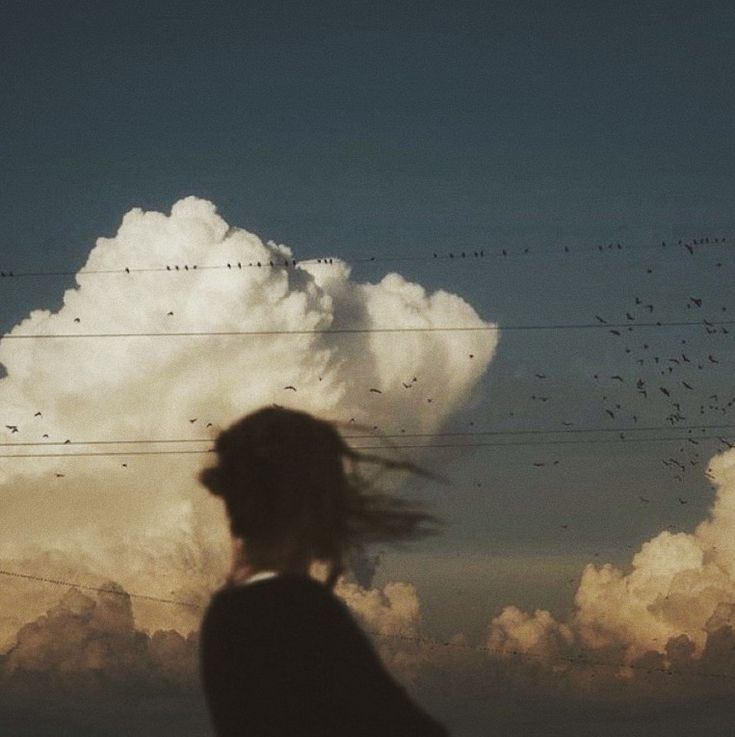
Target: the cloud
pixel 668 621
pixel 143 520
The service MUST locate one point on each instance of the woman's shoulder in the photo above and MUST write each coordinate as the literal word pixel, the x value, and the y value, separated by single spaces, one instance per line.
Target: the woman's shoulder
pixel 292 607
pixel 286 590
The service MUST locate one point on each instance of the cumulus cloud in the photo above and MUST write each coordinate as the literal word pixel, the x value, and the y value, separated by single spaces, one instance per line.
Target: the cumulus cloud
pixel 669 617
pixel 143 520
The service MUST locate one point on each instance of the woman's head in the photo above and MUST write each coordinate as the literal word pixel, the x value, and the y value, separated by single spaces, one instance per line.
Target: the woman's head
pixel 285 475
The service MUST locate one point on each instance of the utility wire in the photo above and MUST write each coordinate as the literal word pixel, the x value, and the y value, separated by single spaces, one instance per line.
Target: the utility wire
pixel 501 444
pixel 458 255
pixel 98 589
pixel 378 436
pixel 337 331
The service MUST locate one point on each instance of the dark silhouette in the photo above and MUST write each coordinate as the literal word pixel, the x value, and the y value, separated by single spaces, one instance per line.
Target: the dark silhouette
pixel 280 654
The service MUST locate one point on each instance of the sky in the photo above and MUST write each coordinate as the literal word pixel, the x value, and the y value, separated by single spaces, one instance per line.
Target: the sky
pixel 566 143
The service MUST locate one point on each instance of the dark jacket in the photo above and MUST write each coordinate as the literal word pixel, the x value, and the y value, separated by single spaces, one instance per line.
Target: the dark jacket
pixel 283 657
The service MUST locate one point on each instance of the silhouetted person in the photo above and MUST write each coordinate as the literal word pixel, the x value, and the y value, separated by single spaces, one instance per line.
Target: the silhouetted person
pixel 281 655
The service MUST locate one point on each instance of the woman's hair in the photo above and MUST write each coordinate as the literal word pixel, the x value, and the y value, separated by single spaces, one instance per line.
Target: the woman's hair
pixel 284 474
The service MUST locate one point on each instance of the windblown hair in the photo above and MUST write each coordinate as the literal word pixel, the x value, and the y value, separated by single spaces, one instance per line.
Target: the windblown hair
pixel 284 474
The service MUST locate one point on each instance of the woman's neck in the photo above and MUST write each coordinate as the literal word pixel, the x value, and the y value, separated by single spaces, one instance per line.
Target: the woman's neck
pixel 243 567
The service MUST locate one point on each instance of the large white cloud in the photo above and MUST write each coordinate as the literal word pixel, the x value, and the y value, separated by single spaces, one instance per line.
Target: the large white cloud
pixel 143 520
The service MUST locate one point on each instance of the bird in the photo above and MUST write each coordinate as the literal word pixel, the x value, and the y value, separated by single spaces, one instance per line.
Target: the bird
pixel 406 386
pixel 76 319
pixel 193 420
pixel 615 332
pixel 619 378
pixel 611 413
pixel 376 391
pixel 38 414
pixel 540 376
pixel 472 355
pixel 59 475
pixel 682 501
pixel 124 465
pixel 665 391
pixel 13 428
pixel 688 386
pixel 604 322
pixel 539 464
pixel 696 301
pixel 209 424
pixel 689 248
pixel 169 314
pixel 712 358
pixel 293 388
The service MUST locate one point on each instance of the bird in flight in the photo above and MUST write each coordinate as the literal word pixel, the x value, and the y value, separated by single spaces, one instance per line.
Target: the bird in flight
pixel 13 428
pixel 193 420
pixel 38 414
pixel 376 391
pixel 293 388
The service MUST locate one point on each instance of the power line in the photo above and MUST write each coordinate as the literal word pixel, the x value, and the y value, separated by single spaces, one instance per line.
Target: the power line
pixel 579 660
pixel 98 589
pixel 501 444
pixel 457 255
pixel 468 433
pixel 338 331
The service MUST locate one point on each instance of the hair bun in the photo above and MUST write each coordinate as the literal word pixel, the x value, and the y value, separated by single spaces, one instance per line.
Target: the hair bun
pixel 211 478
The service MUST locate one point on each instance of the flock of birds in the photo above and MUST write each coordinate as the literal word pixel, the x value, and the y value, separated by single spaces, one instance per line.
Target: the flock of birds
pixel 672 377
